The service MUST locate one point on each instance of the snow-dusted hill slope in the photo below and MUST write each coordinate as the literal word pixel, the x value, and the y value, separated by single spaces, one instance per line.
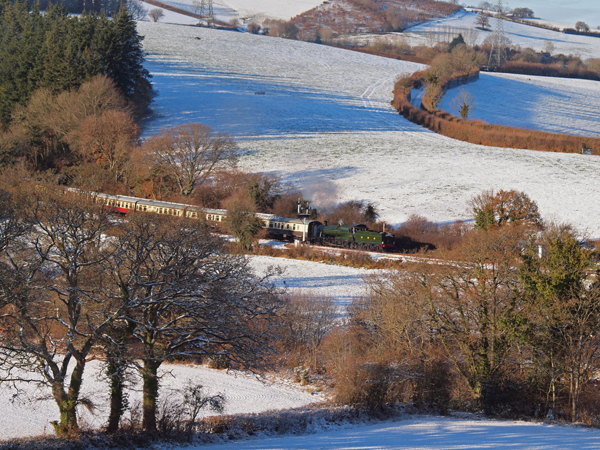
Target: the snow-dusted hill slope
pixel 320 117
pixel 170 16
pixel 243 394
pixel 249 10
pixel 560 105
pixel 518 34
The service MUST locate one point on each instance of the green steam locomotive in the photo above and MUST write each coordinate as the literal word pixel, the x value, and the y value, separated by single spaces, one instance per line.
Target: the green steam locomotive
pixel 356 236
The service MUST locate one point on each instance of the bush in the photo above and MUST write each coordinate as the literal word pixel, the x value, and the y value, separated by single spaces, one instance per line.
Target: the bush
pixel 432 385
pixel 367 385
pixel 253 28
pixel 507 397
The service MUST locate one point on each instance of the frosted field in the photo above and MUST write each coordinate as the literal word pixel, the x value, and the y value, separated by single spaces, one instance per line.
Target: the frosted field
pixel 244 394
pixel 523 35
pixel 559 11
pixel 561 105
pixel 309 278
pixel 427 433
pixel 433 434
pixel 325 124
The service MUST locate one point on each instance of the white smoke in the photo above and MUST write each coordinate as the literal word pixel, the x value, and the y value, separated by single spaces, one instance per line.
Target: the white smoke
pixel 322 194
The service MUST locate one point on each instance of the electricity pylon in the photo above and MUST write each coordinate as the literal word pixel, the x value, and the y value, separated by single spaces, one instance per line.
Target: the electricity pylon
pixel 206 11
pixel 498 51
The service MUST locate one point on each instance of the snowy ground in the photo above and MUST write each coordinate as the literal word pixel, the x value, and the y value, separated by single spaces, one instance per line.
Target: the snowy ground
pixel 243 393
pixel 541 103
pixel 523 35
pixel 434 432
pixel 320 117
pixel 309 278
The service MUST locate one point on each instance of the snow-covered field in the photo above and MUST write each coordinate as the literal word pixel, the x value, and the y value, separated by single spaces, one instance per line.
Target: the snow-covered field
pixel 320 117
pixel 341 284
pixel 438 433
pixel 434 433
pixel 542 103
pixel 562 12
pixel 243 394
pixel 518 34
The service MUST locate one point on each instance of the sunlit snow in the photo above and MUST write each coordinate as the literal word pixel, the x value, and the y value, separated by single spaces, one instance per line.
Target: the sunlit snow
pixel 30 415
pixel 563 105
pixel 320 118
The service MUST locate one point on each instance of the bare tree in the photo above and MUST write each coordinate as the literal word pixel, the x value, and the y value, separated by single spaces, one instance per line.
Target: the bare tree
pixel 522 12
pixel 188 298
pixel 52 310
pixel 463 103
pixel 136 9
pixel 482 21
pixel 582 26
pixel 197 6
pixel 241 220
pixel 190 153
pixel 549 47
pixel 471 36
pixel 306 322
pixel 156 14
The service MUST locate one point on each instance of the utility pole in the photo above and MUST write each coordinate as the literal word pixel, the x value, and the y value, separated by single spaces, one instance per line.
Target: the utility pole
pixel 498 53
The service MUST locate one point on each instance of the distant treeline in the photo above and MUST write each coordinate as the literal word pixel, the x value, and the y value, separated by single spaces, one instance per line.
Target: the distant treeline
pixel 550 70
pixel 57 51
pixel 109 7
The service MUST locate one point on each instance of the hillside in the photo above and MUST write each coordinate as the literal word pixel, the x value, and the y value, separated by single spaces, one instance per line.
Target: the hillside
pixel 364 16
pixel 518 34
pixel 560 105
pixel 325 124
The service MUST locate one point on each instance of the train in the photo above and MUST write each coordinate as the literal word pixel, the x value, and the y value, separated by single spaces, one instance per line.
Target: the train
pixel 302 229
